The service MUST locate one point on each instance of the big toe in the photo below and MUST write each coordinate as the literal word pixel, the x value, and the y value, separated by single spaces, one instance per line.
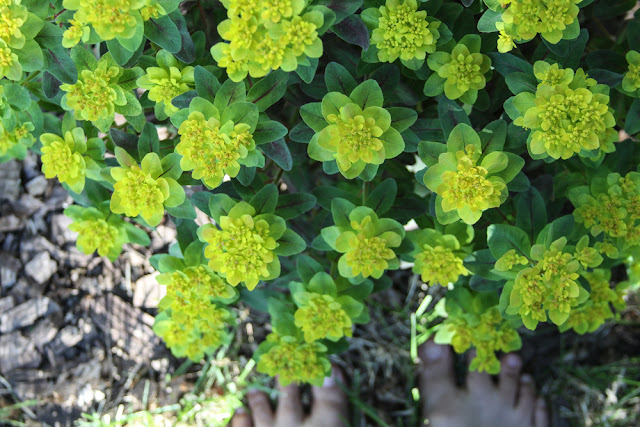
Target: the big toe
pixel 437 379
pixel 330 405
pixel 509 378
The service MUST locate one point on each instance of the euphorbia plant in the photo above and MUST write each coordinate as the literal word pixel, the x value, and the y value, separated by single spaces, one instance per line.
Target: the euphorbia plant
pixel 329 146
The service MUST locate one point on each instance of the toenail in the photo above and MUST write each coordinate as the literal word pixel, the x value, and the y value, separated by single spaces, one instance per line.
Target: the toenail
pixel 526 379
pixel 513 361
pixel 241 411
pixel 434 352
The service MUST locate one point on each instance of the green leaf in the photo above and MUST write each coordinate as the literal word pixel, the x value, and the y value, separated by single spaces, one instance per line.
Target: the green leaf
pixel 632 121
pixel 295 204
pixel 163 32
pixel 493 136
pixel 268 90
pixel 290 244
pixel 136 235
pixel 148 141
pixel 402 118
pixel 461 136
pixel 340 210
pixel 312 115
pixel 307 267
pixel 125 140
pixel 30 56
pixel 308 72
pixel 201 199
pixel 430 151
pixel 219 205
pixel 265 200
pixel 241 112
pixel 560 227
pixel 187 52
pixel 501 238
pixel 338 79
pixel 353 31
pixel 451 114
pixel 206 83
pixel 183 101
pixel 506 63
pixel 301 133
pixel 171 166
pixel 342 8
pixel 229 93
pixel 326 195
pixel 268 131
pixel 58 63
pixel 17 96
pixel 521 82
pixel 487 22
pixel 382 197
pixel 481 263
pixel 531 212
pixel 184 210
pixel 367 94
pixel 278 151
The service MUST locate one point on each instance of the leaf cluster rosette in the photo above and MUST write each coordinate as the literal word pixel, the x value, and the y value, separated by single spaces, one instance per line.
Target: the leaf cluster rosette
pixel 269 35
pixel 568 114
pixel 590 315
pixel 325 308
pixel 18 51
pixel 470 175
pixel 194 318
pixel 166 81
pixel 460 70
pixel 400 31
pixel 247 239
pixel 21 121
pixel 366 241
pixel 355 130
pixel 520 21
pixel 438 257
pixel 610 207
pixel 631 80
pixel 103 89
pixel 144 189
pixel 548 284
pixel 474 320
pixel 217 137
pixel 71 157
pixel 99 230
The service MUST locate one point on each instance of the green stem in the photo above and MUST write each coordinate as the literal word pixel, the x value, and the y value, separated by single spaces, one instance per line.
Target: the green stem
pixel 276 179
pixel 31 76
pixel 365 186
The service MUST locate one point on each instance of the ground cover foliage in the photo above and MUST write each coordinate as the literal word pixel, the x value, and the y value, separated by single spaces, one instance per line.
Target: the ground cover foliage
pixel 490 147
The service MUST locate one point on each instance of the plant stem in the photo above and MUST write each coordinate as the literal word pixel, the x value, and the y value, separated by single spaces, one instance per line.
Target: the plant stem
pixel 365 186
pixel 276 179
pixel 31 76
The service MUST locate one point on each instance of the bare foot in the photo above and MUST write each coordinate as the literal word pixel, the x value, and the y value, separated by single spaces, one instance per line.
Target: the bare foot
pixel 329 408
pixel 512 402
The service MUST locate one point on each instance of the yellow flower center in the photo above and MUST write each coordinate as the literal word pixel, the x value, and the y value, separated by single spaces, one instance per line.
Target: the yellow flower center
pixel 91 96
pixel 358 137
pixel 269 53
pixel 95 235
pixel 9 23
pixel 404 31
pixel 292 361
pixel 464 71
pixel 299 34
pixel 439 265
pixel 5 57
pixel 59 160
pixel 468 185
pixel 634 75
pixel 368 254
pixel 139 193
pixel 322 317
pixel 274 10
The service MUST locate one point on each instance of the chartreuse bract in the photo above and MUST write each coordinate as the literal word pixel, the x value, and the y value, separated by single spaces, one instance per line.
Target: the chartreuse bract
pixel 194 316
pixel 355 131
pixel 309 153
pixel 468 176
pixel 245 244
pixel 399 30
pixel 366 241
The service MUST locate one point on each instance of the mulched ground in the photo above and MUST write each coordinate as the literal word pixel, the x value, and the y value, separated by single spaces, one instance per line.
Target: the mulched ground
pixel 75 333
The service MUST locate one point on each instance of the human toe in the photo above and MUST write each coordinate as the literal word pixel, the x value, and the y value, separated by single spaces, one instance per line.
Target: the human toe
pixel 509 378
pixel 241 419
pixel 260 406
pixel 330 406
pixel 527 397
pixel 289 411
pixel 540 415
pixel 436 377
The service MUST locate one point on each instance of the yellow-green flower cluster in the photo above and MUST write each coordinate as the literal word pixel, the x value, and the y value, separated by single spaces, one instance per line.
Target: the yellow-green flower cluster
pixel 400 30
pixel 358 131
pixel 367 243
pixel 212 149
pixel 322 313
pixel 142 189
pixel 460 73
pixel 631 80
pixel 166 81
pixel 65 157
pixel 97 231
pixel 14 143
pixel 475 321
pixel 293 360
pixel 592 314
pixel 566 116
pixel 550 282
pixel 18 27
pixel 110 19
pixel 610 206
pixel 265 35
pixel 552 19
pixel 468 181
pixel 192 322
pixel 438 257
pixel 243 249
